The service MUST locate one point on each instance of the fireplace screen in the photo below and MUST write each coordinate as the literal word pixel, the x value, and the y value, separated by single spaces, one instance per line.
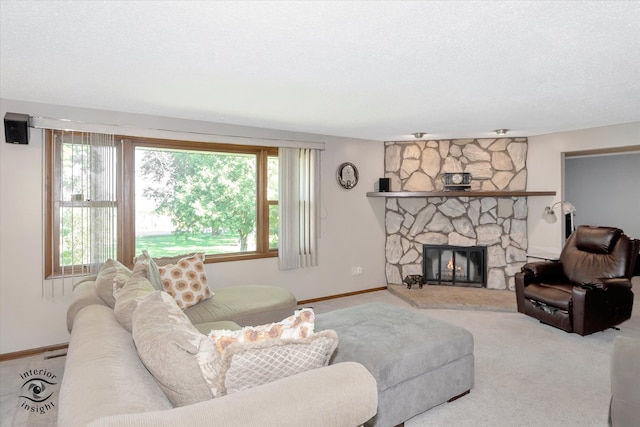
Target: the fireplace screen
pixel 454 265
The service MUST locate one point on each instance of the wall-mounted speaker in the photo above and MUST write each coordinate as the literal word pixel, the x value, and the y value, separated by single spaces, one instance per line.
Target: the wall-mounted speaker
pixel 16 128
pixel 384 184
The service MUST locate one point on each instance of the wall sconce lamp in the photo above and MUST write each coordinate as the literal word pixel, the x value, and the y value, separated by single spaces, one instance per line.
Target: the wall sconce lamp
pixel 419 135
pixel 549 215
pixel 501 131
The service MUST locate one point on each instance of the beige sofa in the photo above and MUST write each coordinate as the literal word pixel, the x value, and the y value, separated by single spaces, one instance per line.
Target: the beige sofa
pixel 625 382
pixel 106 383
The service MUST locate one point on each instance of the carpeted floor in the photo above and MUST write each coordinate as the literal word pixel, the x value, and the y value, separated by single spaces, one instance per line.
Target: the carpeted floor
pixel 37 402
pixel 452 297
pixel 526 373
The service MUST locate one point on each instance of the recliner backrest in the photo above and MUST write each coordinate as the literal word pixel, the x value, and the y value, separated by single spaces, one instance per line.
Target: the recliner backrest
pixel 596 252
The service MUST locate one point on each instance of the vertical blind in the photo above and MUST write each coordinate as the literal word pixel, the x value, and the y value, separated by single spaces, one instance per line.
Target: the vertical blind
pixel 84 202
pixel 299 187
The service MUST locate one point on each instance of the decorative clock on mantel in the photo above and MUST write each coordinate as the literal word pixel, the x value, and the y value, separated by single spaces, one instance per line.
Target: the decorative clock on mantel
pixel 456 181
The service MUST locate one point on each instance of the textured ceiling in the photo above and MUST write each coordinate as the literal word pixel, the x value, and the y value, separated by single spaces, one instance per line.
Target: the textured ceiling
pixel 369 69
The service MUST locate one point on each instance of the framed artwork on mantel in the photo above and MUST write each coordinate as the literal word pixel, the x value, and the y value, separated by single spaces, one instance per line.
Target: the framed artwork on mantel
pixel 347 175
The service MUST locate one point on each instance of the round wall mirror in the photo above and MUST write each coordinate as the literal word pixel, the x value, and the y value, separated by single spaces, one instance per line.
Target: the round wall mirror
pixel 347 175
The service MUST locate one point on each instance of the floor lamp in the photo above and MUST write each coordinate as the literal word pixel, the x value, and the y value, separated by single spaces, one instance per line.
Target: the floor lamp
pixel 549 215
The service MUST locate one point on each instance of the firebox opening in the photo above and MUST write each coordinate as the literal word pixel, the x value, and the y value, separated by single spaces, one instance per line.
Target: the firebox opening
pixel 455 265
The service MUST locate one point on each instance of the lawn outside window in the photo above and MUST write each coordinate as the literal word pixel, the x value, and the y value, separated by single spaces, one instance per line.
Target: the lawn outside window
pixel 178 197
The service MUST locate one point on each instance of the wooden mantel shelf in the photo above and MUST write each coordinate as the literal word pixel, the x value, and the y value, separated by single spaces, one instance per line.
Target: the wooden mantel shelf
pixel 460 193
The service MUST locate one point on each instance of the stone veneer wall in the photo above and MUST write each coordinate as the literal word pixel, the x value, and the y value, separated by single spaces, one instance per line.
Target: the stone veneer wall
pixel 500 223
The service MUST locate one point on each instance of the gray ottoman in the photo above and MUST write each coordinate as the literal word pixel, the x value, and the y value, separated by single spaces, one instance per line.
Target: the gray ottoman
pixel 417 362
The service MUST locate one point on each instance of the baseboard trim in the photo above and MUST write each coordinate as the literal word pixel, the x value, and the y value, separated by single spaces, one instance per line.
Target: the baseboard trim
pixel 348 294
pixel 32 352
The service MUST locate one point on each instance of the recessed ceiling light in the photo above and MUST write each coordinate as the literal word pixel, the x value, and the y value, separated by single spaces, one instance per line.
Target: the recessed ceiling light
pixel 419 134
pixel 501 131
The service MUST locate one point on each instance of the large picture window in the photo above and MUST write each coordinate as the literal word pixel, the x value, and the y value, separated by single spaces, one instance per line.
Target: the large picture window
pixel 177 197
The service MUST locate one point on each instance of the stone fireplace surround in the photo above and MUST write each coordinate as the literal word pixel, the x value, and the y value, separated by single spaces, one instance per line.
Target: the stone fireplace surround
pixel 500 223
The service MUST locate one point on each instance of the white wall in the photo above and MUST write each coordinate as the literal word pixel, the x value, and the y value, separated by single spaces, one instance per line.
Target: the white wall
pixel 31 315
pixel 545 170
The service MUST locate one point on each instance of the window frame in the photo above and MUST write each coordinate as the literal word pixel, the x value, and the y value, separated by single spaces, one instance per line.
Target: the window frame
pixel 126 198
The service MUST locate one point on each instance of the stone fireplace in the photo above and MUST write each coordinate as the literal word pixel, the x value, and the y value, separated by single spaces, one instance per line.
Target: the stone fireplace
pixel 499 223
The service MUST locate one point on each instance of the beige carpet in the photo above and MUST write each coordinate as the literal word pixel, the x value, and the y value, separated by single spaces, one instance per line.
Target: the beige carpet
pixel 452 297
pixel 38 400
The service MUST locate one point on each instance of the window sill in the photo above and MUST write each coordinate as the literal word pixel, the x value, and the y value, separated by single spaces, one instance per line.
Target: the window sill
pixel 210 259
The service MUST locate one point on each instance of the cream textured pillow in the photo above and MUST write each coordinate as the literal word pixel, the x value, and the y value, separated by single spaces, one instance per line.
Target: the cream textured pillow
pixel 246 365
pixel 111 277
pixel 146 266
pixel 297 326
pixel 186 281
pixel 135 289
pixel 183 361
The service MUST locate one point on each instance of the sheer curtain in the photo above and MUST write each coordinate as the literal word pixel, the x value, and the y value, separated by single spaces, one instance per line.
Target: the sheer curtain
pixel 299 207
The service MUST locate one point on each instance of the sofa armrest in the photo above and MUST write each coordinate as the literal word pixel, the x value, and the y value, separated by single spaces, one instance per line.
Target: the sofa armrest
pixel 344 394
pixel 625 388
pixel 84 294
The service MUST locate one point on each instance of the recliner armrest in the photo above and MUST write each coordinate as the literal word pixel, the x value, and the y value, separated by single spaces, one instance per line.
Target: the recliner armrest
pixel 604 283
pixel 543 270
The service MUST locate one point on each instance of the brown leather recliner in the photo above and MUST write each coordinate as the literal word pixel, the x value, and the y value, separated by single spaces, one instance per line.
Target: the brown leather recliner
pixel 589 289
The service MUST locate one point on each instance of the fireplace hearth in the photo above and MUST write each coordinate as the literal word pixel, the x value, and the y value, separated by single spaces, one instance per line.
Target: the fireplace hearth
pixel 455 265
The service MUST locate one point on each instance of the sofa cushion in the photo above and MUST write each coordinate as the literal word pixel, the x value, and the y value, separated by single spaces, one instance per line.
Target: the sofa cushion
pixel 111 277
pixel 247 365
pixel 135 289
pixel 205 328
pixel 186 280
pixel 183 361
pixel 297 326
pixel 245 305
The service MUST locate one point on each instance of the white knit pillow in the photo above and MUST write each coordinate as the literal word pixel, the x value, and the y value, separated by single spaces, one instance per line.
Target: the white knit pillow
pixel 297 326
pixel 247 365
pixel 186 280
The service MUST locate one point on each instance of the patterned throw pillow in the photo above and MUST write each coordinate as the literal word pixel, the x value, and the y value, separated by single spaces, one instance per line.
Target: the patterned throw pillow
pixel 297 326
pixel 186 281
